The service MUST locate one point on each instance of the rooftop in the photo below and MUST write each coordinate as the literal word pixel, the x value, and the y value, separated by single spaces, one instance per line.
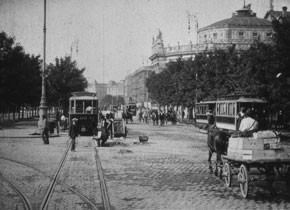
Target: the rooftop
pixel 242 18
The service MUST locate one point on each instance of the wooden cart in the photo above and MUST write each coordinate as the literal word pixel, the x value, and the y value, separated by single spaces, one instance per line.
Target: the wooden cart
pixel 120 129
pixel 246 171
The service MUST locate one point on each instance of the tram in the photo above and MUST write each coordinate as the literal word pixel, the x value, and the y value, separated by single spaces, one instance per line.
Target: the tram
pixel 226 108
pixel 132 108
pixel 84 107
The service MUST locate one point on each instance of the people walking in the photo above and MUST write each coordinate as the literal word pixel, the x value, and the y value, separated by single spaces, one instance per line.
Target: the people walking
pixel 153 117
pixel 161 118
pixel 73 133
pixel 45 136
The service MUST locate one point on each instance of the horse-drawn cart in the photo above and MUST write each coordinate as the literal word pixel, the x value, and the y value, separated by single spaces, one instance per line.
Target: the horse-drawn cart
pixel 120 129
pixel 247 171
pixel 250 158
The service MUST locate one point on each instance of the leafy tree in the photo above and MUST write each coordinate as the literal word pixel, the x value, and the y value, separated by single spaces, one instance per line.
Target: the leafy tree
pixel 63 78
pixel 20 83
pixel 281 88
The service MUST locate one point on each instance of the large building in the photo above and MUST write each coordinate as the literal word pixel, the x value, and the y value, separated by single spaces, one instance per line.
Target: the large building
pixel 101 90
pixel 116 88
pixel 241 30
pixel 135 87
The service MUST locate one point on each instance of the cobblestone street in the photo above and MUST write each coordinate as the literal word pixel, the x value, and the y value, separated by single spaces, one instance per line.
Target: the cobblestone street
pixel 169 172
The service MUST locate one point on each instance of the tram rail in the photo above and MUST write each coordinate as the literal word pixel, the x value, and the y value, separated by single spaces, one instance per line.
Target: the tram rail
pixel 103 186
pixel 74 191
pixel 25 200
pixel 51 187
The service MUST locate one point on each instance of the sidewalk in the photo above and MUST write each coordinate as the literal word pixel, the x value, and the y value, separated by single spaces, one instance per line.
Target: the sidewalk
pixel 24 129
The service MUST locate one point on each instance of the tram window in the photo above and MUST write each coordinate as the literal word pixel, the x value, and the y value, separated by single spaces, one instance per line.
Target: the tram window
pixel 72 107
pixel 222 108
pixel 79 106
pixel 231 109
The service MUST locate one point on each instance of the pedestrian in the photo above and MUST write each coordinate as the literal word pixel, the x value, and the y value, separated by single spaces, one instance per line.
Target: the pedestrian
pixel 94 127
pixel 153 116
pixel 45 136
pixel 161 117
pixel 182 115
pixel 73 133
pixel 145 116
pixel 62 119
pixel 57 120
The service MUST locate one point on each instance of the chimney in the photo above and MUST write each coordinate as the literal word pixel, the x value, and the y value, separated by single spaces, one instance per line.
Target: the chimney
pixel 284 11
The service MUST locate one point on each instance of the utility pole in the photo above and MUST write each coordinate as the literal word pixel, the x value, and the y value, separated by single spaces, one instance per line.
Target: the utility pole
pixel 43 105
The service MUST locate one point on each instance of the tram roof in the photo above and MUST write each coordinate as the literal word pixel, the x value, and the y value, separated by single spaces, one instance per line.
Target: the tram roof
pixel 240 100
pixel 83 96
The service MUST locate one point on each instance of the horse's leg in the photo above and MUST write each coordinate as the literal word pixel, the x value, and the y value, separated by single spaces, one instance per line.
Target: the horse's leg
pixel 218 165
pixel 209 161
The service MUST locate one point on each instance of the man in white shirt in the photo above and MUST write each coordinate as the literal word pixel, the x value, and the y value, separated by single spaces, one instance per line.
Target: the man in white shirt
pixel 248 123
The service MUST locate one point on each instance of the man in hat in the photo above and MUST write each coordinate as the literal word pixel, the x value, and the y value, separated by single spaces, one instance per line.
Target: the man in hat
pixel 73 133
pixel 248 124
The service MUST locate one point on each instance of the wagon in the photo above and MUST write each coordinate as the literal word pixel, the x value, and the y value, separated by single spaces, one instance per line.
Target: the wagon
pixel 247 171
pixel 120 130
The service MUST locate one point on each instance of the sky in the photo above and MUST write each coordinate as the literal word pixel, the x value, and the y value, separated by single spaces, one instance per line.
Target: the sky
pixel 112 38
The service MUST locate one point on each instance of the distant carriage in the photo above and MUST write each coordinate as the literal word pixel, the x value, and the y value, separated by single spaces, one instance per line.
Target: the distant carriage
pixel 84 107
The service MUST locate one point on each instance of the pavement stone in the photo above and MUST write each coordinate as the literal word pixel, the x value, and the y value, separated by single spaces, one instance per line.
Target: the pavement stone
pixel 169 172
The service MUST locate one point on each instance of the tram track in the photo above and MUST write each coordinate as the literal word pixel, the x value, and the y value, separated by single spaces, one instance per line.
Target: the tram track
pixel 25 200
pixel 54 181
pixel 103 186
pixel 51 187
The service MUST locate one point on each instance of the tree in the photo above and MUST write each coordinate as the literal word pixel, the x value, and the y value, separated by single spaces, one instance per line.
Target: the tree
pixel 19 71
pixel 280 93
pixel 63 78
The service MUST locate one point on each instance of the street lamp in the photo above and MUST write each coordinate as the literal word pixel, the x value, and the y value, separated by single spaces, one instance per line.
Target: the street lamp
pixel 43 106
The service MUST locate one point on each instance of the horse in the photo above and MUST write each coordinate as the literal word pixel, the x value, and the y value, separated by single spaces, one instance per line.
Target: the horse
pixel 127 116
pixel 217 142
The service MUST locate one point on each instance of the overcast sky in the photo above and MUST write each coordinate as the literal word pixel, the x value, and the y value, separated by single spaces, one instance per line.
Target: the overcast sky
pixel 112 38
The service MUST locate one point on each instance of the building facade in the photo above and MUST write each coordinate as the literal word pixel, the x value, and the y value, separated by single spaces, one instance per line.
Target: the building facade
pixel 116 88
pixel 101 90
pixel 135 87
pixel 241 31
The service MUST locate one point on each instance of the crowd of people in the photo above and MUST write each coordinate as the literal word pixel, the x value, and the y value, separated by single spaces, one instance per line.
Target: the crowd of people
pixel 156 117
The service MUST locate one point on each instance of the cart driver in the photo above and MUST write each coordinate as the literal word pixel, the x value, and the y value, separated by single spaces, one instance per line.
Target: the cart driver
pixel 248 124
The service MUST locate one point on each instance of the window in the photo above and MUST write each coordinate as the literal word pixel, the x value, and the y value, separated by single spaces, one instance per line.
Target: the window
pixel 241 34
pixel 268 34
pixel 221 109
pixel 214 35
pixel 255 34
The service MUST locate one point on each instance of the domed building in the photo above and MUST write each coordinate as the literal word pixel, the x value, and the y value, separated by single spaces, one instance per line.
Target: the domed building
pixel 241 30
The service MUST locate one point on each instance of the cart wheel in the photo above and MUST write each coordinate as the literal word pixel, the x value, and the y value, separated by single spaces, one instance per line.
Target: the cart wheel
pixel 243 178
pixel 227 174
